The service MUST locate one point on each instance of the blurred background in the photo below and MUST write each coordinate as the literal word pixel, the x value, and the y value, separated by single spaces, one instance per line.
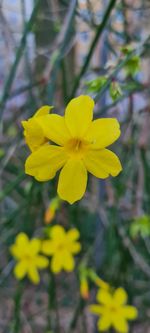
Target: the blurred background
pixel 51 51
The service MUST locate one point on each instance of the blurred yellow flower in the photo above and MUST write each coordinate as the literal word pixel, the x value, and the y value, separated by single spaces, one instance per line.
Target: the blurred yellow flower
pixel 113 310
pixel 62 245
pixel 79 146
pixel 33 132
pixel 26 252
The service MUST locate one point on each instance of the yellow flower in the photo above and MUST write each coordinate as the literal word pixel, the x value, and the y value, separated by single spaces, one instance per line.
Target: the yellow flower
pixel 113 310
pixel 62 246
pixel 79 146
pixel 33 132
pixel 26 251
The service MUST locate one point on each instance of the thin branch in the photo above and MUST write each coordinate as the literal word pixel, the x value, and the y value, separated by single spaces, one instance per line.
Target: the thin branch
pixel 98 34
pixel 19 53
pixel 136 256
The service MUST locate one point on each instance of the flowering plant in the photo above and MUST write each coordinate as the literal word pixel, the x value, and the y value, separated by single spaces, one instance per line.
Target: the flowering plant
pixel 77 145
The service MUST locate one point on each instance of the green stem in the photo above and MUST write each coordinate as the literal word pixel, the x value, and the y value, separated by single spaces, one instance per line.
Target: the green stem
pixel 84 322
pixel 117 69
pixel 93 45
pixel 52 304
pixel 125 95
pixel 146 177
pixel 27 87
pixel 9 81
pixel 57 311
pixel 61 52
pixel 77 312
pixel 17 300
pixel 10 187
pixel 28 71
pixel 64 80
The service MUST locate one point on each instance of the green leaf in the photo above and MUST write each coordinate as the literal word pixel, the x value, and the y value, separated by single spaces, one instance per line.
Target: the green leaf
pixel 133 65
pixel 96 85
pixel 140 226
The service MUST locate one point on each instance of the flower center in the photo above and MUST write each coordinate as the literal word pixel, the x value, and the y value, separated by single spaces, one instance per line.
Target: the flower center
pixel 112 309
pixel 60 247
pixel 28 258
pixel 76 147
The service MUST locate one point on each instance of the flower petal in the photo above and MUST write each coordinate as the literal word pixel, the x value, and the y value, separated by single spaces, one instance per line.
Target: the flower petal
pixel 48 247
pixel 104 297
pixel 22 239
pixel 20 269
pixel 120 324
pixel 41 261
pixel 96 309
pixel 43 111
pixel 15 251
pixel 103 132
pixel 120 296
pixel 33 132
pixel 20 248
pixel 73 234
pixel 74 247
pixel 33 274
pixel 72 181
pixel 129 312
pixel 57 233
pixel 45 162
pixel 104 323
pixel 68 261
pixel 55 129
pixel 102 163
pixel 34 246
pixel 57 263
pixel 34 136
pixel 79 114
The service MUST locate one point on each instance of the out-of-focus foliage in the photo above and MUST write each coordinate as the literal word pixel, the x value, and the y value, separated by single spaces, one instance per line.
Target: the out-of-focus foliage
pixel 52 51
pixel 96 85
pixel 115 91
pixel 133 64
pixel 140 226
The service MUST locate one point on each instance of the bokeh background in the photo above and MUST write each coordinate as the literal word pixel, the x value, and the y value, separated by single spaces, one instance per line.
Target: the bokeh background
pixel 51 51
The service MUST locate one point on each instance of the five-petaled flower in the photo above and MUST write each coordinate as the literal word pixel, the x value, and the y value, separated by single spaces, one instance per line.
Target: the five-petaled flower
pixel 113 310
pixel 77 145
pixel 26 252
pixel 62 245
